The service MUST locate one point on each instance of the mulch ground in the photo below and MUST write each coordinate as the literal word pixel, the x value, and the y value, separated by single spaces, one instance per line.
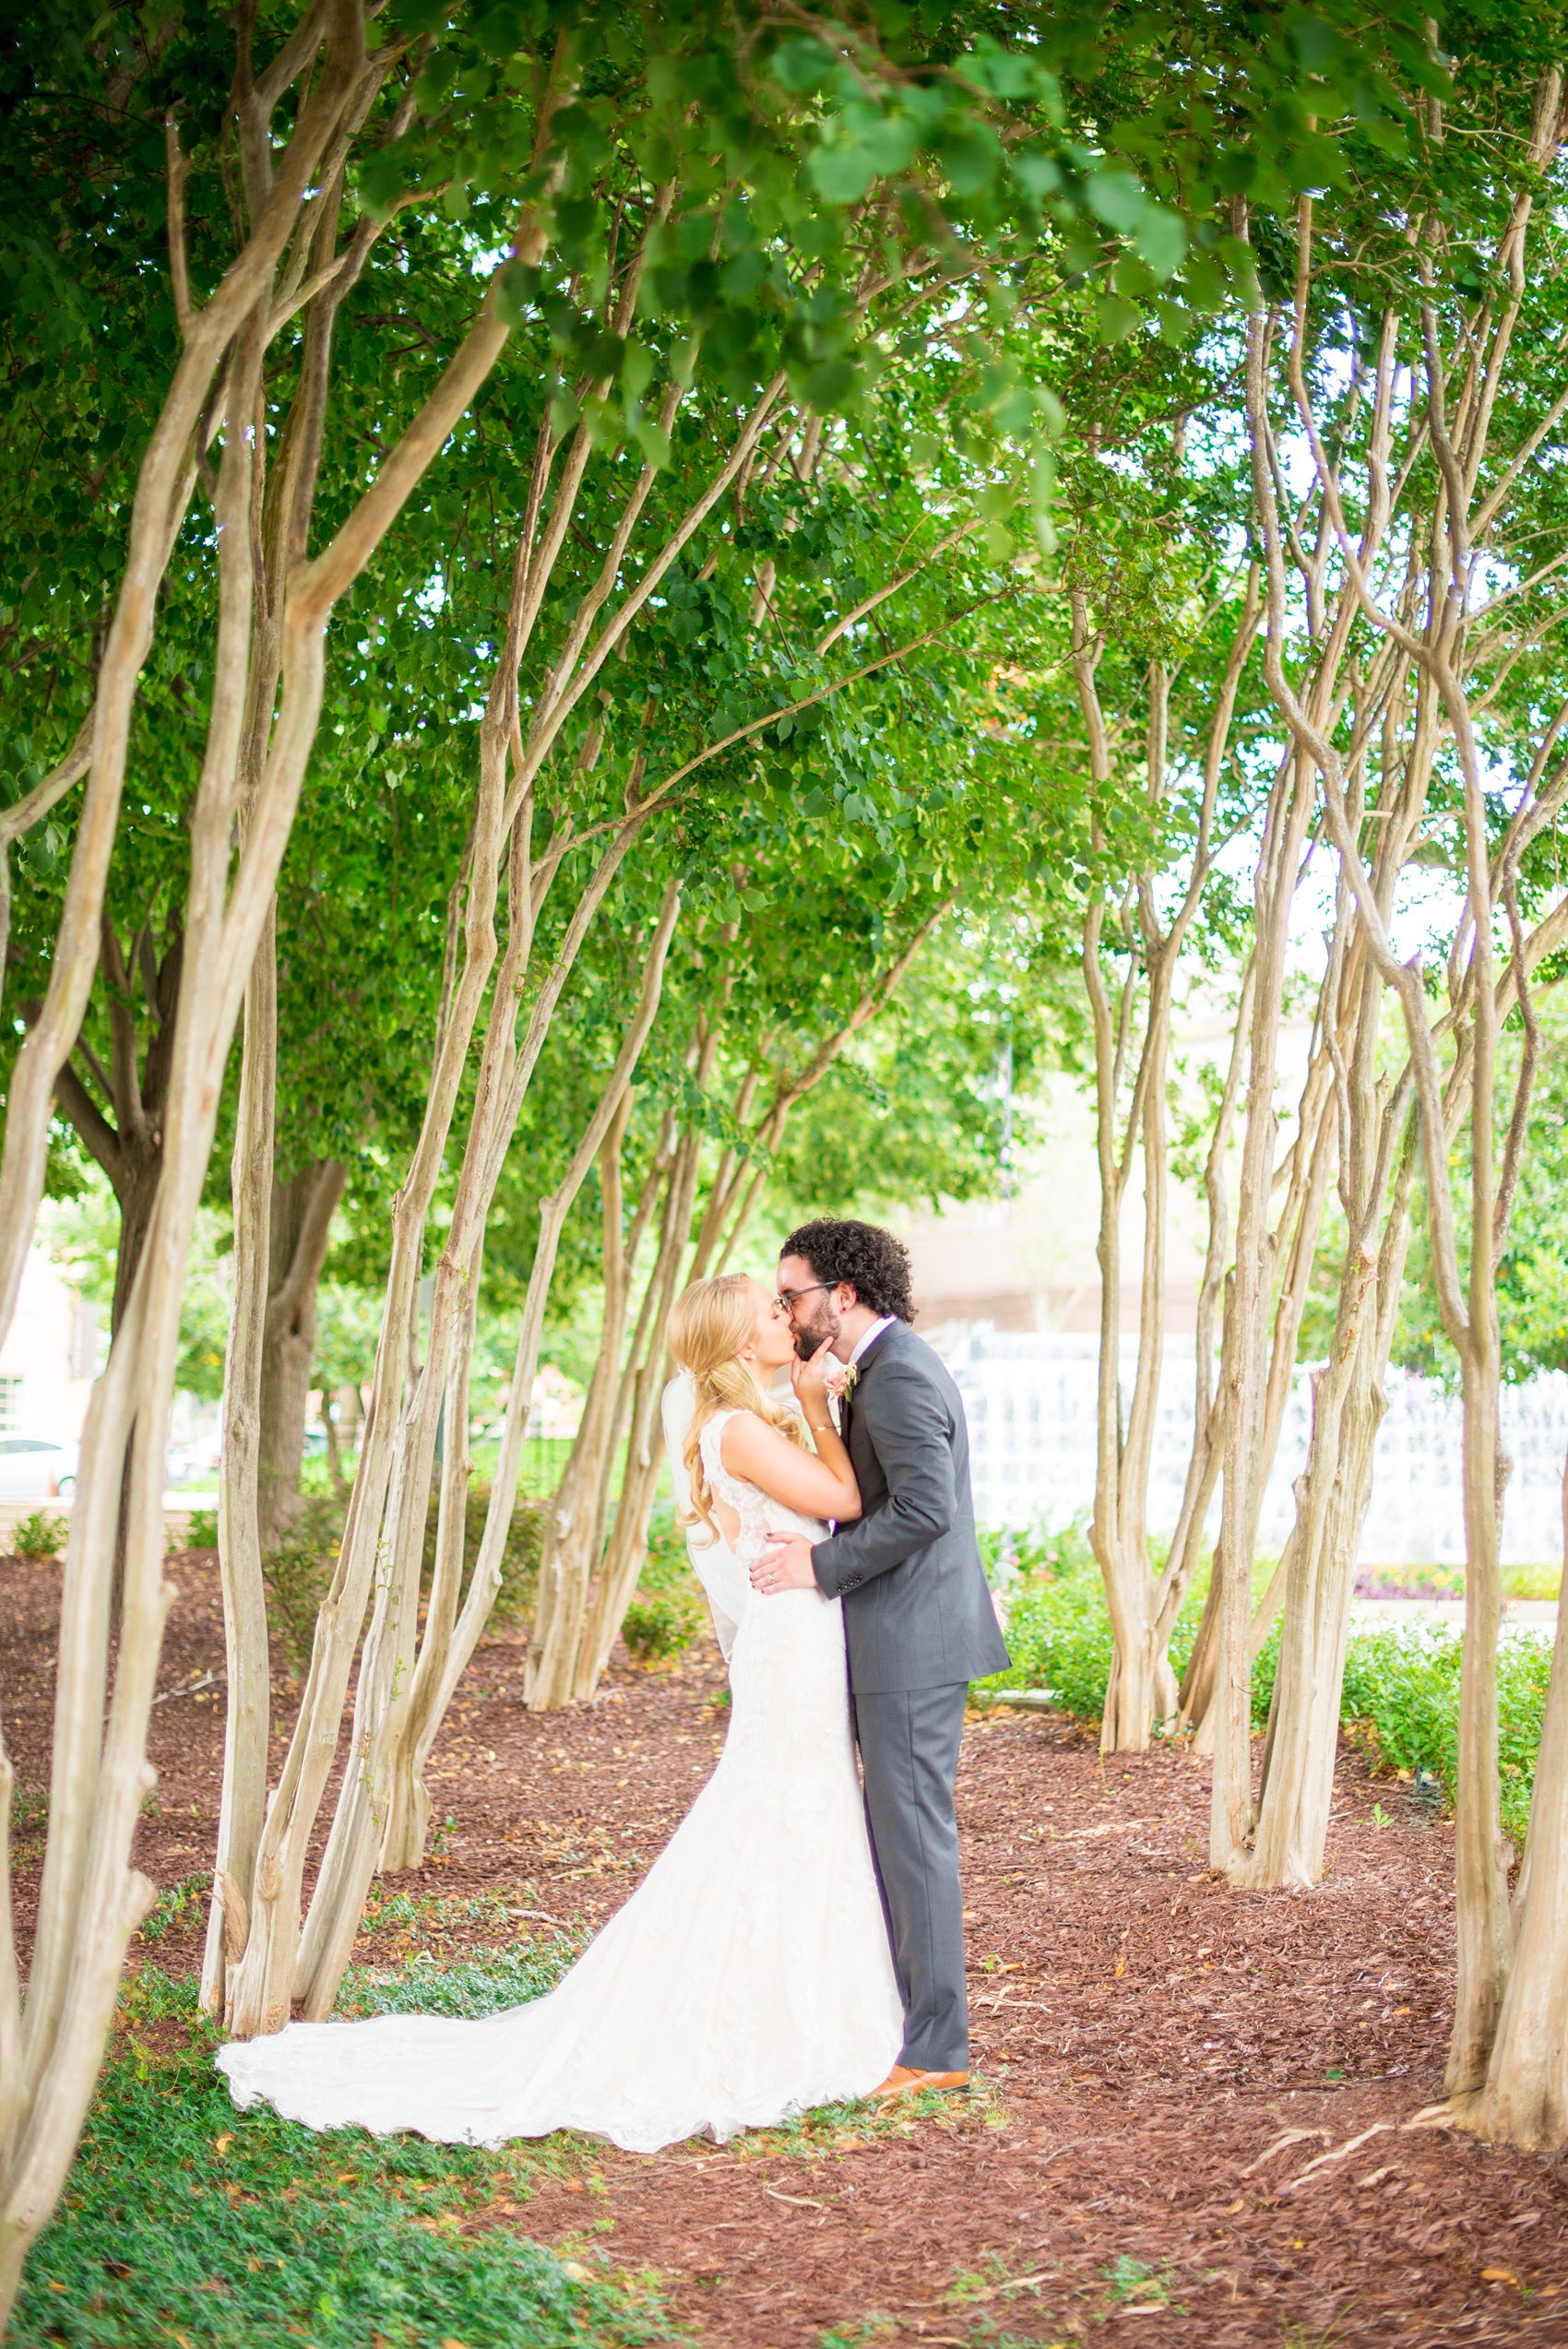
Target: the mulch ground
pixel 1147 2037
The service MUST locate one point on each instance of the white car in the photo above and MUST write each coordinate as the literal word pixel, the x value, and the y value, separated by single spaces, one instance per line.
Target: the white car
pixel 36 1468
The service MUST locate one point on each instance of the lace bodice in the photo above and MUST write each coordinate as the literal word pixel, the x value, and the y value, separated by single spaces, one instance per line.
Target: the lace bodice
pixel 758 1514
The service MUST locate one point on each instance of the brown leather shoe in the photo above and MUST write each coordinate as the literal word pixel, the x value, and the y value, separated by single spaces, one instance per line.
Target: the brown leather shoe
pixel 903 2080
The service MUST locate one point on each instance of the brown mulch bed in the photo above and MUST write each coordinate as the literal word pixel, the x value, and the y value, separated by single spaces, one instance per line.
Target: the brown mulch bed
pixel 1146 2037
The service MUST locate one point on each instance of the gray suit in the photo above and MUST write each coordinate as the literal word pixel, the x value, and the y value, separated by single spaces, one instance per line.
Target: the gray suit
pixel 919 1626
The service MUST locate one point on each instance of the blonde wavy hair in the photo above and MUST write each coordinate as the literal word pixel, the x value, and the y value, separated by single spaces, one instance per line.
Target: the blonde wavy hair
pixel 708 1329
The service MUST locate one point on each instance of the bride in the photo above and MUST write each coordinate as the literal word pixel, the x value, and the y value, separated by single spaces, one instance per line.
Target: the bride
pixel 749 1977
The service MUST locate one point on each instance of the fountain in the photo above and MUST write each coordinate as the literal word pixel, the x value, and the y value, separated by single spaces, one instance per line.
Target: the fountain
pixel 1029 1398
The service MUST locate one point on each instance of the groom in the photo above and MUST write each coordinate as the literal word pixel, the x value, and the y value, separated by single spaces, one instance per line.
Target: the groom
pixel 917 1617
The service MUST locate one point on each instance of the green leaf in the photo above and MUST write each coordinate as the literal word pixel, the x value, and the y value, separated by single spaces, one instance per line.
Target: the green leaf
pixel 1161 241
pixel 971 159
pixel 828 385
pixel 1116 199
pixel 1114 319
pixel 516 290
pixel 841 174
pixel 636 370
pixel 1037 173
pixel 801 63
pixel 653 443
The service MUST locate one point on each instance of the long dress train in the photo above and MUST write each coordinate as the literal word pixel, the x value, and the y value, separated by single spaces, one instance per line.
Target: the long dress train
pixel 747 1978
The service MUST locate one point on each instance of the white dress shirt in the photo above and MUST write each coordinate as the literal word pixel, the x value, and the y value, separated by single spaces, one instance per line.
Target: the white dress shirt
pixel 875 1332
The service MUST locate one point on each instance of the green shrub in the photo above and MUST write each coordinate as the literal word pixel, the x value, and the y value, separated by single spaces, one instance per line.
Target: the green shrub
pixel 40 1536
pixel 185 2219
pixel 1402 1701
pixel 519 1555
pixel 202 1530
pixel 669 1611
pixel 298 1572
pixel 1401 1693
pixel 1058 1625
pixel 656 1627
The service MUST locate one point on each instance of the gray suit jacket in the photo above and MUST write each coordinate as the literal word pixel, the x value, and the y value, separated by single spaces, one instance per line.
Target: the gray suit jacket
pixel 917 1612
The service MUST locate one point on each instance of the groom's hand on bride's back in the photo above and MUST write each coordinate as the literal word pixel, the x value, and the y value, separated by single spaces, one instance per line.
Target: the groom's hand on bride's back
pixel 784 1564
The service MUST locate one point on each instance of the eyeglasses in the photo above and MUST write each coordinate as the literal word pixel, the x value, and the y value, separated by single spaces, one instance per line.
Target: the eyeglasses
pixel 788 1298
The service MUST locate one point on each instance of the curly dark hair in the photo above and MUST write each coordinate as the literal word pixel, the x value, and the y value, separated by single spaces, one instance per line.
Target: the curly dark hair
pixel 874 1264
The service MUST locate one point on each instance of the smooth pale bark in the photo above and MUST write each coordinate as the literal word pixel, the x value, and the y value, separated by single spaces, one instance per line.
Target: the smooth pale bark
pixel 90 1900
pixel 91 1897
pixel 1245 1366
pixel 248 1714
pixel 383 1796
pixel 261 1994
pixel 284 1959
pixel 574 1661
pixel 1457 429
pixel 579 1511
pixel 165 482
pixel 1254 1396
pixel 134 1087
pixel 1524 2100
pixel 592 1565
pixel 1141 1689
pixel 301 1212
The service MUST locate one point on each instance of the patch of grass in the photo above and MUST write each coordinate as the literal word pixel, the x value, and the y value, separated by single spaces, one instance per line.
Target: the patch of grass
pixel 1132 2283
pixel 183 2218
pixel 993 2279
pixel 40 1536
pixel 481 1984
pixel 184 1904
pixel 432 1913
pixel 844 2129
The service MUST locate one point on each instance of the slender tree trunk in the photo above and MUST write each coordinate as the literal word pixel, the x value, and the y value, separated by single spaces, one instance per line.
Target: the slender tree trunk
pixel 1524 2100
pixel 1246 1371
pixel 247 1718
pixel 388 1735
pixel 300 1225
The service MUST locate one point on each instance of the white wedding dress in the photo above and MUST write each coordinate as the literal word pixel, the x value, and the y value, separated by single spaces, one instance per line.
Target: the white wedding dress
pixel 747 1978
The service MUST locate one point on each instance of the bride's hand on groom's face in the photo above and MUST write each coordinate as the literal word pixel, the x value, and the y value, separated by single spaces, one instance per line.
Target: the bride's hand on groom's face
pixel 812 1380
pixel 784 1565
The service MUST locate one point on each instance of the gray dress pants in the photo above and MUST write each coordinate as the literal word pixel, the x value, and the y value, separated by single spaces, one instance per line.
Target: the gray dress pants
pixel 908 1741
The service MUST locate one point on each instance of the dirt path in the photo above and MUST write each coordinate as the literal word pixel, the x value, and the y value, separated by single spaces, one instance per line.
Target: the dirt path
pixel 1146 2038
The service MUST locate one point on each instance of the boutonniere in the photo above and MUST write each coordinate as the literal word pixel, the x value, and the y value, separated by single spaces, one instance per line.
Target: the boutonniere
pixel 839 1381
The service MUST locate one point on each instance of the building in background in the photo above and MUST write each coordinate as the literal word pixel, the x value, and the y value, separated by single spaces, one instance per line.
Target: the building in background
pixel 1008 1293
pixel 50 1357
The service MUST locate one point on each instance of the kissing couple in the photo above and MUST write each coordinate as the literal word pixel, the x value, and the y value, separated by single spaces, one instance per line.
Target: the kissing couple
pixel 800 1941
